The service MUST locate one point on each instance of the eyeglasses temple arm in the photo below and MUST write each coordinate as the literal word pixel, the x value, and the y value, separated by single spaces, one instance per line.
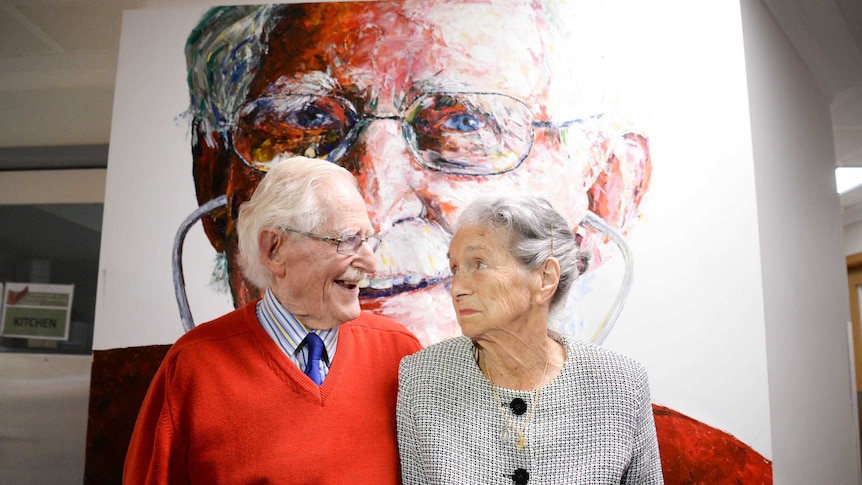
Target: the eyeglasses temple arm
pixel 595 222
pixel 177 258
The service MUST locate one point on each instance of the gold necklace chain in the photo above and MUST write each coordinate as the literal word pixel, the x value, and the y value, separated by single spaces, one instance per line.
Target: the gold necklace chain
pixel 521 441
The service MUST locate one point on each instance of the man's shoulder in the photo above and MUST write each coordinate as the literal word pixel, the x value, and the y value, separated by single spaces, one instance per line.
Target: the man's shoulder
pixel 220 328
pixel 370 323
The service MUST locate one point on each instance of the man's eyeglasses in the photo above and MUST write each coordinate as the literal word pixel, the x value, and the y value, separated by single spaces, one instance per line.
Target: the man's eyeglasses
pixel 456 133
pixel 346 245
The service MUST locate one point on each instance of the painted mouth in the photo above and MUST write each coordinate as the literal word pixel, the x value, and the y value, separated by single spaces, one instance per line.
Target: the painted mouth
pixel 380 287
pixel 412 256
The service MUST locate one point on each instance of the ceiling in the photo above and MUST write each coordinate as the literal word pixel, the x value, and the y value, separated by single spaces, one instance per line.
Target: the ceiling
pixel 58 62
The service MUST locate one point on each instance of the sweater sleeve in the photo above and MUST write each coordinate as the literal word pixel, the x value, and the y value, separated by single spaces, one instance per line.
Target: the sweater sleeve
pixel 645 468
pixel 408 447
pixel 156 455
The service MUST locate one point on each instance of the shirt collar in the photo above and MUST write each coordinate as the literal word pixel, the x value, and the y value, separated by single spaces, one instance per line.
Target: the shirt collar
pixel 288 332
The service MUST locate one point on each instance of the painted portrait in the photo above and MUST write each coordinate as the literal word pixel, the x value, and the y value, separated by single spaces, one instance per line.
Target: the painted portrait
pixel 626 121
pixel 411 99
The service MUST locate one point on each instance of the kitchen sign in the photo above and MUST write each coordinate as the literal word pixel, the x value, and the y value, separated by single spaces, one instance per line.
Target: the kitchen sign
pixel 34 310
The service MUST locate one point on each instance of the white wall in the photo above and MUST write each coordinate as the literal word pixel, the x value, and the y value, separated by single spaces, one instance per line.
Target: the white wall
pixel 149 190
pixel 812 403
pixel 853 238
pixel 677 320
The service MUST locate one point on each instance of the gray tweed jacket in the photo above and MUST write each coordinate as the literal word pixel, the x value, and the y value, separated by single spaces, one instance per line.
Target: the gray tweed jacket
pixel 593 423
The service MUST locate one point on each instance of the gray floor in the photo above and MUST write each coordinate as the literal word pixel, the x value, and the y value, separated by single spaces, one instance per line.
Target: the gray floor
pixel 43 418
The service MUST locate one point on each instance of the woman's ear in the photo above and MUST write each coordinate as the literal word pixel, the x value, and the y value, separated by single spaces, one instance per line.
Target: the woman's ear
pixel 550 278
pixel 270 244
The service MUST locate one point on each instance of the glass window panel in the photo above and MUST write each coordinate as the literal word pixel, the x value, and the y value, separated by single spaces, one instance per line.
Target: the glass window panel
pixel 55 244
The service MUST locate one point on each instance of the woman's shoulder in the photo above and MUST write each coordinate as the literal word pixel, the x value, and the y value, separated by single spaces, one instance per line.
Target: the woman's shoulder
pixel 589 355
pixel 441 362
pixel 449 349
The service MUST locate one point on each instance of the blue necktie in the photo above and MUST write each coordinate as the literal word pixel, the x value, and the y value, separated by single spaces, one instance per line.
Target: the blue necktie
pixel 315 350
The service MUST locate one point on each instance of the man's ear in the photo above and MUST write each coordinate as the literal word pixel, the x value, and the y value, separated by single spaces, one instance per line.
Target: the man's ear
pixel 270 244
pixel 211 170
pixel 619 189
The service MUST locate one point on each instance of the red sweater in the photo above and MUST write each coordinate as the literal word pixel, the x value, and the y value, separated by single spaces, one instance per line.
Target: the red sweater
pixel 227 406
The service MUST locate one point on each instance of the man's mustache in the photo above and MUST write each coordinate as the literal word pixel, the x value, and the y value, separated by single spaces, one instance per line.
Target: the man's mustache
pixel 412 255
pixel 352 274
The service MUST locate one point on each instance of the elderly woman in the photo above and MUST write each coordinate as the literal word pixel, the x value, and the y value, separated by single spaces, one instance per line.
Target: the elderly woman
pixel 511 401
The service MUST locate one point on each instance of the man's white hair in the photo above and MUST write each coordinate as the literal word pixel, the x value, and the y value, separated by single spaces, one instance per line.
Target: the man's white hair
pixel 292 195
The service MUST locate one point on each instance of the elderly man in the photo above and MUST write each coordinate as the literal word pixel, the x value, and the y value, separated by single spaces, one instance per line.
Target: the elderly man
pixel 296 387
pixel 428 103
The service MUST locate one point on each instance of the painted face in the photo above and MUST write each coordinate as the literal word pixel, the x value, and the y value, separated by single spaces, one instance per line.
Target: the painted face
pixel 428 104
pixel 325 292
pixel 491 292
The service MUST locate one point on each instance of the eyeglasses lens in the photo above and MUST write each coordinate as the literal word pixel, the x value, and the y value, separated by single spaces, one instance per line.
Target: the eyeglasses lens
pixel 272 129
pixel 469 134
pixel 349 245
pixel 458 133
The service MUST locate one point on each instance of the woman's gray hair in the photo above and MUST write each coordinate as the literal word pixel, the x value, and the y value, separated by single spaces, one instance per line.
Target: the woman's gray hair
pixel 536 232
pixel 291 195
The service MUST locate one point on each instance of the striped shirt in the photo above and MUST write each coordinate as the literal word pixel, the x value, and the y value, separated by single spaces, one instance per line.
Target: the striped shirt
pixel 289 333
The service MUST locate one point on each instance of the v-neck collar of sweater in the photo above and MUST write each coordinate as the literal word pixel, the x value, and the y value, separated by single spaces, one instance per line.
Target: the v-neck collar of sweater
pixel 292 374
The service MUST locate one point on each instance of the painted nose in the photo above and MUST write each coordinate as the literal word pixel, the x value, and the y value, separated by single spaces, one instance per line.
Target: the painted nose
pixel 383 165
